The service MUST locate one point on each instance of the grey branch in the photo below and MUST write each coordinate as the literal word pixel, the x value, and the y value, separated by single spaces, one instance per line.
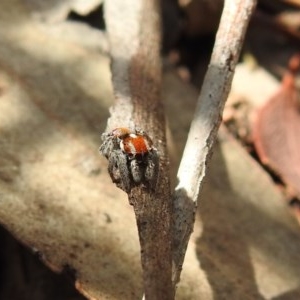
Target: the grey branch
pixel 134 35
pixel 203 132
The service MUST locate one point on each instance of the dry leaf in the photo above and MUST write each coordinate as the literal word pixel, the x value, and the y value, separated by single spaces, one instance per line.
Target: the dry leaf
pixel 57 198
pixel 58 10
pixel 276 131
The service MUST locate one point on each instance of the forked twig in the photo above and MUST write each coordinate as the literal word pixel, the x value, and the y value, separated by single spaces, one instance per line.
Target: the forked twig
pixel 134 35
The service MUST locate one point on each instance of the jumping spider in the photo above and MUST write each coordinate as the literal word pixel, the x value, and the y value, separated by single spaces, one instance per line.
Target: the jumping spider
pixel 132 159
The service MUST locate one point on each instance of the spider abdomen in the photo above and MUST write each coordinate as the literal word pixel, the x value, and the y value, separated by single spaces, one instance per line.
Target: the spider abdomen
pixel 136 144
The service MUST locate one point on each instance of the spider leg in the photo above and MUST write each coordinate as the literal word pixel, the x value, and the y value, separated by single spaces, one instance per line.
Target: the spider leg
pixel 118 170
pixel 109 145
pixel 136 170
pixel 152 168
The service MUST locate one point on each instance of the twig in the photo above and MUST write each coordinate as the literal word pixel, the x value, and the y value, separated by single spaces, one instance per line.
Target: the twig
pixel 207 118
pixel 134 34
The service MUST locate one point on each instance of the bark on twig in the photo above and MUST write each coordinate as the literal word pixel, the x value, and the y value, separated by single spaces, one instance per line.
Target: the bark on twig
pixel 207 118
pixel 134 34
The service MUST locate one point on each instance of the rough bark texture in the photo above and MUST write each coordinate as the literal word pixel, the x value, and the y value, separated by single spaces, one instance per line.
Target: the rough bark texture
pixel 136 71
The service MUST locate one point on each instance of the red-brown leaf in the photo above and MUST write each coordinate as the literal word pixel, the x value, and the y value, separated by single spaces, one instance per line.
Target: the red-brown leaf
pixel 276 130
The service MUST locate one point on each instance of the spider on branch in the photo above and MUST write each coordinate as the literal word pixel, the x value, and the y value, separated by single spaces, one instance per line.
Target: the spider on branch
pixel 132 158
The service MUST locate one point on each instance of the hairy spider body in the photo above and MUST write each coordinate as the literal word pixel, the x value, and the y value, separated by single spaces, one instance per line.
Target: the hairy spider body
pixel 132 158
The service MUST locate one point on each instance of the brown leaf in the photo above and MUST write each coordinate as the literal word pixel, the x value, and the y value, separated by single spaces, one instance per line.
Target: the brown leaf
pixel 276 130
